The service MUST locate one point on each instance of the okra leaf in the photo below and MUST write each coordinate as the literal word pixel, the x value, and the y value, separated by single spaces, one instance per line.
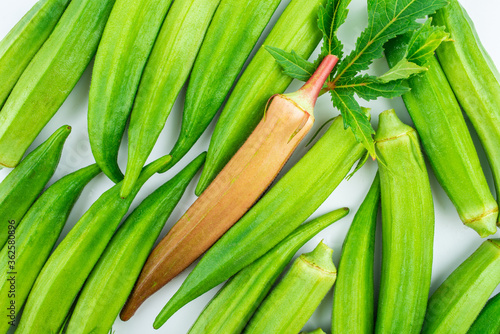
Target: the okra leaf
pixel 386 19
pixel 370 88
pixel 424 42
pixel 293 65
pixel 354 117
pixel 330 18
pixel 402 70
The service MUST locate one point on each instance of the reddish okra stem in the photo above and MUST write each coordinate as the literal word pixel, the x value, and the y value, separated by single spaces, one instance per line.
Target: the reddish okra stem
pixel 247 175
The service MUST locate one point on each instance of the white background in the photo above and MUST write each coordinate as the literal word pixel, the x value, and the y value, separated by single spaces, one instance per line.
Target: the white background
pixel 453 242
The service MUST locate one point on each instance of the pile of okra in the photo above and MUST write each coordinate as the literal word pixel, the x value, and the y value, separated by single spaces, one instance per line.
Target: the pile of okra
pixel 163 169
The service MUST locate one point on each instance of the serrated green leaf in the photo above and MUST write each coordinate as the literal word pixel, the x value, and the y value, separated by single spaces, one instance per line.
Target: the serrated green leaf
pixel 354 118
pixel 424 42
pixel 293 65
pixel 386 19
pixel 402 70
pixel 360 164
pixel 330 18
pixel 370 88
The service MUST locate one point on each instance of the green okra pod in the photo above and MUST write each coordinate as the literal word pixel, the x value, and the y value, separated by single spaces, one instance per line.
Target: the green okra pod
pixel 316 331
pixel 282 209
pixel 229 311
pixel 353 297
pixel 488 321
pixel 66 270
pixel 36 236
pixel 407 228
pixel 474 79
pixel 51 76
pixel 454 306
pixel 446 140
pixel 166 71
pixel 23 185
pixel 113 277
pixel 292 302
pixel 221 57
pixel 122 54
pixel 24 40
pixel 295 30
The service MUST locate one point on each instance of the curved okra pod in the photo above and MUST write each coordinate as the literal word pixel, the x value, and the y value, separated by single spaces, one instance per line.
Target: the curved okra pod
pixel 281 210
pixel 353 297
pixel 113 277
pixel 446 139
pixel 36 236
pixel 457 302
pixel 407 228
pixel 488 321
pixel 66 270
pixel 248 174
pixel 50 76
pixel 123 51
pixel 165 73
pixel 292 302
pixel 23 185
pixel 243 293
pixel 24 40
pixel 221 57
pixel 474 80
pixel 295 30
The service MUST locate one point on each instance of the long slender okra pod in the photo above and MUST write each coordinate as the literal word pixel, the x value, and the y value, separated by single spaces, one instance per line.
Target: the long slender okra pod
pixel 24 40
pixel 488 321
pixel 165 73
pixel 35 238
pixel 232 307
pixel 224 51
pixel 457 302
pixel 68 267
pixel 474 79
pixel 122 54
pixel 295 30
pixel 294 198
pixel 50 76
pixel 112 279
pixel 407 228
pixel 292 302
pixel 23 185
pixel 353 297
pixel 248 174
pixel 445 137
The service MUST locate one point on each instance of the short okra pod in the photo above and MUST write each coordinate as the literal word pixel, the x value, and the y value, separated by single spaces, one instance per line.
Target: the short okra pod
pixel 113 277
pixel 353 297
pixel 221 57
pixel 166 71
pixel 459 299
pixel 51 76
pixel 474 79
pixel 229 311
pixel 292 302
pixel 316 331
pixel 446 140
pixel 36 236
pixel 24 40
pixel 23 185
pixel 295 30
pixel 281 210
pixel 66 270
pixel 246 176
pixel 488 321
pixel 407 228
pixel 122 54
